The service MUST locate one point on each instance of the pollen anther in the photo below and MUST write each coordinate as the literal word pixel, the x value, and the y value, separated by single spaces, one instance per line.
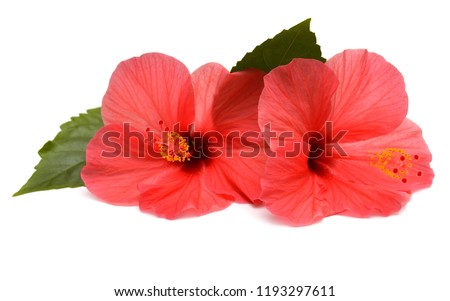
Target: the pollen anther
pixel 394 162
pixel 174 147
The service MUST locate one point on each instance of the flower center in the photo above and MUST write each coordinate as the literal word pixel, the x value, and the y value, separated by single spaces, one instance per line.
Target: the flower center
pixel 317 161
pixel 173 147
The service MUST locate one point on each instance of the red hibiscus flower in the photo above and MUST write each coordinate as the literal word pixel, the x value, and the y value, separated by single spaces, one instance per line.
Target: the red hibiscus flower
pixel 171 141
pixel 360 155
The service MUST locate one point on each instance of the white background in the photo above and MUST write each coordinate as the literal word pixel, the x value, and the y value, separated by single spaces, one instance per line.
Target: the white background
pixel 55 61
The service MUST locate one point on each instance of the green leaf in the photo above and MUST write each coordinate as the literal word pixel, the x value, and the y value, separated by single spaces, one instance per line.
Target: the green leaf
pixel 296 42
pixel 63 158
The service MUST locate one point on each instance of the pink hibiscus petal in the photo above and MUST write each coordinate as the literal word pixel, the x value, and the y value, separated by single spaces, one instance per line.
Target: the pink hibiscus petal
pixel 297 97
pixel 235 107
pixel 206 81
pixel 148 89
pixel 361 200
pixel 114 167
pixel 227 107
pixel 398 161
pixel 179 193
pixel 291 191
pixel 371 99
pixel 237 175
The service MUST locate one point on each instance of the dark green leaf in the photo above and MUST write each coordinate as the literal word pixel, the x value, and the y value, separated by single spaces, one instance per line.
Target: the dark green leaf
pixel 296 42
pixel 64 156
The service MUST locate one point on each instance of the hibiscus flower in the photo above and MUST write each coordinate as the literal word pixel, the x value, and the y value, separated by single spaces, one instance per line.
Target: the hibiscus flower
pixel 360 155
pixel 166 142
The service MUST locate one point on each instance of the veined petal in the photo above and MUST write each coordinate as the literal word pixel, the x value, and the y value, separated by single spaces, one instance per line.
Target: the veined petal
pixel 371 99
pixel 179 193
pixel 148 89
pixel 235 107
pixel 238 175
pixel 297 97
pixel 398 161
pixel 361 200
pixel 116 165
pixel 206 81
pixel 291 191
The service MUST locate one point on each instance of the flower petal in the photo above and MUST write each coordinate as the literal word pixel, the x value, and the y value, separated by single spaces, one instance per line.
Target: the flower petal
pixel 297 97
pixel 360 200
pixel 206 81
pixel 291 191
pixel 399 161
pixel 228 103
pixel 148 89
pixel 235 107
pixel 371 99
pixel 115 165
pixel 238 175
pixel 179 193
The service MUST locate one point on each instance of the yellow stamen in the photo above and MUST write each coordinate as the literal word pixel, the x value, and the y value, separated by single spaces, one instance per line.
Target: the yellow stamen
pixel 174 147
pixel 394 162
